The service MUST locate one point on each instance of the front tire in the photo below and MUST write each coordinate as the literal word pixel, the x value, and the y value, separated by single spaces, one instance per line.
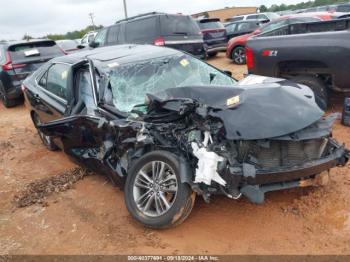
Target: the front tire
pixel 238 55
pixel 154 194
pixel 317 86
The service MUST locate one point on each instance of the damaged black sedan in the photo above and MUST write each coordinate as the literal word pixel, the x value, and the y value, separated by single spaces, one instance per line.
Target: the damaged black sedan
pixel 165 127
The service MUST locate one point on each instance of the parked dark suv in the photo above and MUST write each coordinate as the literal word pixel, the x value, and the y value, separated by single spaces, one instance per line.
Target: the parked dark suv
pixel 176 31
pixel 214 35
pixel 19 59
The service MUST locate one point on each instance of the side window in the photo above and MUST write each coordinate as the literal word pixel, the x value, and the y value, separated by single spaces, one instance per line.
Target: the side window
pixel 141 30
pixel 84 40
pixel 252 16
pixel 231 28
pixel 237 18
pixel 100 38
pixel 243 27
pixel 263 17
pixel 113 34
pixel 43 80
pixel 57 80
pixel 85 89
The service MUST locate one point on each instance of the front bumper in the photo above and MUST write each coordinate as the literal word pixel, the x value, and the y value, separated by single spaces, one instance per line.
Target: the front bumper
pixel 338 158
pixel 256 184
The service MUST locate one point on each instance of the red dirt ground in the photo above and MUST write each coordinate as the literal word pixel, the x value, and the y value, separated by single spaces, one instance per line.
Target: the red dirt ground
pixel 91 218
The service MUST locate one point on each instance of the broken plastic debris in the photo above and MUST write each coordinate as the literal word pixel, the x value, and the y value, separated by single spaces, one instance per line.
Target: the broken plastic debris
pixel 232 101
pixel 184 62
pixel 206 170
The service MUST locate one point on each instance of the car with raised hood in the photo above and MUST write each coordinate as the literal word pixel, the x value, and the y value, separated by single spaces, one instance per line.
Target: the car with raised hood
pixel 214 35
pixel 171 30
pixel 236 46
pixel 18 59
pixel 166 126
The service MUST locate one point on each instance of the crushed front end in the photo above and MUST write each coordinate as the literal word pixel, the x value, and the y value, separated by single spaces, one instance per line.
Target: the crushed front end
pixel 223 161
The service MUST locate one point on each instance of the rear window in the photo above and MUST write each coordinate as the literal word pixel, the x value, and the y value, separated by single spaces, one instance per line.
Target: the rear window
pixel 178 25
pixel 343 8
pixel 210 25
pixel 28 51
pixel 67 45
pixel 237 18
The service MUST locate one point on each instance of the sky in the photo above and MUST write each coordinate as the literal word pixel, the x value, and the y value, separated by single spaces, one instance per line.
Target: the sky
pixel 41 17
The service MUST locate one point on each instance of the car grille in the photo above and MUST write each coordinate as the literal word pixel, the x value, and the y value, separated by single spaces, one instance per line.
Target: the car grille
pixel 274 154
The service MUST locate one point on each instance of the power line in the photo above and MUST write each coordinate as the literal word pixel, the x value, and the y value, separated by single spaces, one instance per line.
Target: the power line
pixel 92 20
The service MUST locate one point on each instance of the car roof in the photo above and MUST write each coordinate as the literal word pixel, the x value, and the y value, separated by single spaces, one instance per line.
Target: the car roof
pixel 120 54
pixel 245 21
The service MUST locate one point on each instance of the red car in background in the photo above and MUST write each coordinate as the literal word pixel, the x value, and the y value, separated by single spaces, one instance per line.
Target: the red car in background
pixel 236 46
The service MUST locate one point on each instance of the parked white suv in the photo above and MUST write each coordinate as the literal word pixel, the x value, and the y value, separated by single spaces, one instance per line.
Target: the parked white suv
pixel 256 16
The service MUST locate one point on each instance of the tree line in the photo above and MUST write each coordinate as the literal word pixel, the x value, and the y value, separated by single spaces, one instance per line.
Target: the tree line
pixel 302 5
pixel 77 34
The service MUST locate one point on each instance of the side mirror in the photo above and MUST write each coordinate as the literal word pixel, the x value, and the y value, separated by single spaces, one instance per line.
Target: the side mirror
pixel 93 44
pixel 227 72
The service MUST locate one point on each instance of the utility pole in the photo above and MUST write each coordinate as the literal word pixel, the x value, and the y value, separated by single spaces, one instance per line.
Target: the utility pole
pixel 125 9
pixel 92 20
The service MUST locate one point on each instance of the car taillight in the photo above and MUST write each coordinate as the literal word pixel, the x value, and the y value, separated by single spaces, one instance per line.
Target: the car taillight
pixel 8 63
pixel 249 57
pixel 159 41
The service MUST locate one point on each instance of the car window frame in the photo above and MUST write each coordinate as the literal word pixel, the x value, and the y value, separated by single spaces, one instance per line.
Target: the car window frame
pixel 105 31
pixel 49 93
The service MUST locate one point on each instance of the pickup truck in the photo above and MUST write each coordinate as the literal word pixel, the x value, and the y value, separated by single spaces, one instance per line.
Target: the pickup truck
pixel 316 54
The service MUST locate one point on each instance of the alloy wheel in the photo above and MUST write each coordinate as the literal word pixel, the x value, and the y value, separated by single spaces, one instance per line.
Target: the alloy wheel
pixel 155 188
pixel 239 56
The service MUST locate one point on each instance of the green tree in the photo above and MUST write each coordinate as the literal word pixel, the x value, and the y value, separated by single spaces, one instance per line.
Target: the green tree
pixel 263 8
pixel 73 34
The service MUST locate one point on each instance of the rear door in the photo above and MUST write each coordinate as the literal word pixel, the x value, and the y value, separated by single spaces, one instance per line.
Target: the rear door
pixel 52 92
pixel 28 57
pixel 182 32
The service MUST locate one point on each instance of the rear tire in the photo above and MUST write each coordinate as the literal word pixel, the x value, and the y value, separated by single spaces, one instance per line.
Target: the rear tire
pixel 317 86
pixel 6 101
pixel 145 192
pixel 238 55
pixel 46 140
pixel 212 54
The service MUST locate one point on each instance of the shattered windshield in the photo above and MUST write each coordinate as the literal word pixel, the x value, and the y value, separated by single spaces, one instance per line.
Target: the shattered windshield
pixel 130 83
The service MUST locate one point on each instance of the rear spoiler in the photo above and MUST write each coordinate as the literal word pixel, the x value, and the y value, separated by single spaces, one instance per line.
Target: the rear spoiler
pixel 207 20
pixel 44 41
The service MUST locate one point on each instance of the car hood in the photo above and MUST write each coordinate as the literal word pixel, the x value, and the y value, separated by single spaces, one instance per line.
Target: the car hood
pixel 241 38
pixel 257 108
